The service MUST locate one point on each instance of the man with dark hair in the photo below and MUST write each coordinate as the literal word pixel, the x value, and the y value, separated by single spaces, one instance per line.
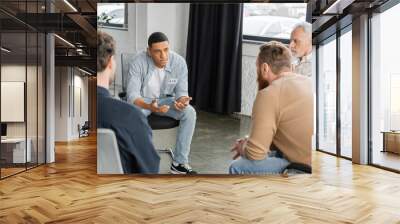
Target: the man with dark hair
pixel 158 83
pixel 130 126
pixel 282 118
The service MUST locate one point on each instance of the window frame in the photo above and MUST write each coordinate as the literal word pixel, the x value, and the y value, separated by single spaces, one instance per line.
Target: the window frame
pixel 334 37
pixel 379 10
pixel 261 39
pixel 115 25
pixel 256 38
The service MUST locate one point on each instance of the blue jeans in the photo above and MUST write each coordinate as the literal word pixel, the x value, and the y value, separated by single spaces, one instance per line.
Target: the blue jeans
pixel 187 118
pixel 272 164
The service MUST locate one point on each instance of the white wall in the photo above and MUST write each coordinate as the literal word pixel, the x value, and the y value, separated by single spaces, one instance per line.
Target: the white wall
pixel 17 73
pixel 61 103
pixel 14 73
pixel 125 41
pixel 144 19
pixel 171 19
pixel 33 126
pixel 249 77
pixel 68 81
pixel 80 83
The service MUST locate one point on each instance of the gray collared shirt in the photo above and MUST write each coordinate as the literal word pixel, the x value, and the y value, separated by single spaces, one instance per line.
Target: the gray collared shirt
pixel 304 67
pixel 140 69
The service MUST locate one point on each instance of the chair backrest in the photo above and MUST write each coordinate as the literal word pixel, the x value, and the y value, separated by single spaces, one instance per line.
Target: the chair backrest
pixel 108 158
pixel 86 125
pixel 126 58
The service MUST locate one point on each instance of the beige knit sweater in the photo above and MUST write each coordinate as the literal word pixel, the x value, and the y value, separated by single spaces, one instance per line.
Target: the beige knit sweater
pixel 283 115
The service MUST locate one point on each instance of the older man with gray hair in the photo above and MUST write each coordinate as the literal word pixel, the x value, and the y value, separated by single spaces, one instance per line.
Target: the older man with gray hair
pixel 301 47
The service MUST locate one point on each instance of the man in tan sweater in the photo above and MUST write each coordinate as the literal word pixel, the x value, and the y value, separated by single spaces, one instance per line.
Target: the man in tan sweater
pixel 282 118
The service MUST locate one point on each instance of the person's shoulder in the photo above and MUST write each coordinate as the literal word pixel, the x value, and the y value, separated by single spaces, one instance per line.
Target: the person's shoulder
pixel 273 87
pixel 298 79
pixel 129 108
pixel 122 106
pixel 294 77
pixel 296 84
pixel 138 58
pixel 141 55
pixel 176 58
pixel 297 76
pixel 277 86
pixel 269 91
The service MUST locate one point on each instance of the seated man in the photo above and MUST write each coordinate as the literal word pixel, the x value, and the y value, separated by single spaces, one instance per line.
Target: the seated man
pixel 158 83
pixel 282 117
pixel 301 47
pixel 129 124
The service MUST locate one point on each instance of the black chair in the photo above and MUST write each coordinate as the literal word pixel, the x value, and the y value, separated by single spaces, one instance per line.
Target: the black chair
pixel 122 96
pixel 84 130
pixel 157 122
pixel 165 130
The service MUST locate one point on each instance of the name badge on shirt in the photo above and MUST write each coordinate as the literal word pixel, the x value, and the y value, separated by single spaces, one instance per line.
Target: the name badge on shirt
pixel 172 81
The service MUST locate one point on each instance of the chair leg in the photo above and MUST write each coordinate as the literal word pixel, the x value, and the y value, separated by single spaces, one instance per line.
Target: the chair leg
pixel 167 150
pixel 170 152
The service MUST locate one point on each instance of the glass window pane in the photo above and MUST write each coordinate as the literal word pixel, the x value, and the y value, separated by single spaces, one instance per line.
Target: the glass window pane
pixel 31 98
pixel 385 84
pixel 327 97
pixel 346 94
pixel 22 88
pixel 13 86
pixel 41 98
pixel 273 20
pixel 111 14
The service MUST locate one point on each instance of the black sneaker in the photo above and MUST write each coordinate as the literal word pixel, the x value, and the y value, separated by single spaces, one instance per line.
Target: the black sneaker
pixel 181 169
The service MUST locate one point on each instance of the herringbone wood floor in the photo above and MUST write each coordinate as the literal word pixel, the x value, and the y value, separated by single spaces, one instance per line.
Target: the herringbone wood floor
pixel 70 191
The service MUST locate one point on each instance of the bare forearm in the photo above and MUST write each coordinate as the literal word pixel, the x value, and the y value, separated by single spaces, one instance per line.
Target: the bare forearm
pixel 140 102
pixel 153 106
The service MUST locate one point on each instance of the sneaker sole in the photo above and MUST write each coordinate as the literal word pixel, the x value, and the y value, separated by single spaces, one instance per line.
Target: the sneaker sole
pixel 174 171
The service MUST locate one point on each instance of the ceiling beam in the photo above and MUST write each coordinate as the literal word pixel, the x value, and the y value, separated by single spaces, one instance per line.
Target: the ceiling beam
pixel 78 61
pixel 86 27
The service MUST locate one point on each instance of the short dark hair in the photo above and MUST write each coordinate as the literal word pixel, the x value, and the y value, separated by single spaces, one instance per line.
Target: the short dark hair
pixel 105 49
pixel 156 37
pixel 276 55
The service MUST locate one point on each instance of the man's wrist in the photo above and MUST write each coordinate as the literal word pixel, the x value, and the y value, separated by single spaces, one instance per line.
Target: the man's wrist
pixel 149 107
pixel 153 109
pixel 243 147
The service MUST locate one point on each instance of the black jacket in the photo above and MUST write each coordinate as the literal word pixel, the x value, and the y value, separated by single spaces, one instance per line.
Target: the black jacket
pixel 133 133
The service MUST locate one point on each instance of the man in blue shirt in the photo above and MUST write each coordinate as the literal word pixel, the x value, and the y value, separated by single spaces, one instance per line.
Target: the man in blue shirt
pixel 130 126
pixel 157 82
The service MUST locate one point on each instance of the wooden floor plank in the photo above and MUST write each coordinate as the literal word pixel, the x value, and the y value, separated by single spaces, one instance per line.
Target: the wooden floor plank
pixel 70 191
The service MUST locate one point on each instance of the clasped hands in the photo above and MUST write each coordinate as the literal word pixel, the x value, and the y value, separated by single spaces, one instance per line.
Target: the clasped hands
pixel 238 148
pixel 180 104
